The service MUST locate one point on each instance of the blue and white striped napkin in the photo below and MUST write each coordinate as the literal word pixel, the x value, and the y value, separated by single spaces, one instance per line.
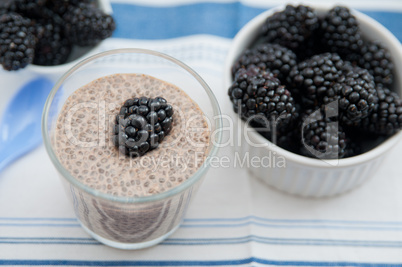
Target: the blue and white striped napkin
pixel 235 219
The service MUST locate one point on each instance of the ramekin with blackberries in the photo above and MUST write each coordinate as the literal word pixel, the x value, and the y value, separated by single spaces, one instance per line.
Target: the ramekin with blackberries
pixel 51 35
pixel 319 86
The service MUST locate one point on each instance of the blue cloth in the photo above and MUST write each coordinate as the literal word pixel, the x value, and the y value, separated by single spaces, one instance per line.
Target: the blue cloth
pixel 221 19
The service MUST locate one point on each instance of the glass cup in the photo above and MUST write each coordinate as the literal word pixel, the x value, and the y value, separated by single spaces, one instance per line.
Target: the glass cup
pixel 128 222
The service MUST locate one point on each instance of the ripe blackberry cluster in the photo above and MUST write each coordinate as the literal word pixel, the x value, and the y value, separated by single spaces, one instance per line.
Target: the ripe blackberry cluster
pixel 322 137
pixel 341 31
pixel 142 124
pixel 17 41
pixel 340 83
pixel 33 8
pixel 278 59
pixel 87 25
pixel 260 98
pixel 45 31
pixel 377 60
pixel 386 119
pixel 290 27
pixel 314 79
pixel 52 47
pixel 357 96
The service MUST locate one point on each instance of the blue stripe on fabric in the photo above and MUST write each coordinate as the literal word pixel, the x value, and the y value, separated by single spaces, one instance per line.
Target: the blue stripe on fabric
pixel 221 19
pixel 36 219
pixel 365 228
pixel 47 238
pixel 49 241
pixel 39 225
pixel 245 218
pixel 251 217
pixel 213 241
pixel 193 223
pixel 194 263
pixel 283 241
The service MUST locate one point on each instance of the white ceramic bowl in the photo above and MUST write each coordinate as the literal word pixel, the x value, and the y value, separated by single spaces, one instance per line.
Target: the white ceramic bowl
pixel 301 175
pixel 77 54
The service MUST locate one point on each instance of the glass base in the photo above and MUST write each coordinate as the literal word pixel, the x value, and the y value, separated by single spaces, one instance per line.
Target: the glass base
pixel 119 245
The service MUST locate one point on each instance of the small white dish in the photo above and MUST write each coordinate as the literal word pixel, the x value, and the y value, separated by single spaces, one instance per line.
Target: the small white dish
pixel 301 175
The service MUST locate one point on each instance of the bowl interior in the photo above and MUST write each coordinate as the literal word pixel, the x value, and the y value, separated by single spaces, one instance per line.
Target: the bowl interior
pixel 371 29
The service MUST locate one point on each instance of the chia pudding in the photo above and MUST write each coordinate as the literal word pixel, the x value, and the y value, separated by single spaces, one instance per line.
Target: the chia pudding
pixel 82 141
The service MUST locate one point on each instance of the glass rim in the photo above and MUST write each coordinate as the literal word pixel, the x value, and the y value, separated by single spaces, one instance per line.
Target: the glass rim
pixel 144 199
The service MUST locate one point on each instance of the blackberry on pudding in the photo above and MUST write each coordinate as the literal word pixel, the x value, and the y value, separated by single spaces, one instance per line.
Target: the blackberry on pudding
pixel 142 124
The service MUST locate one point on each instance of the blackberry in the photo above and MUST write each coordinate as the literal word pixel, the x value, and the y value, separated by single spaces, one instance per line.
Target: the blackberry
pixel 87 25
pixel 354 148
pixel 314 79
pixel 273 57
pixel 75 2
pixel 17 41
pixel 312 45
pixel 142 124
pixel 290 27
pixel 377 60
pixel 27 7
pixel 386 119
pixel 61 6
pixel 358 95
pixel 52 47
pixel 5 6
pixel 341 33
pixel 259 97
pixel 34 9
pixel 321 136
pixel 286 140
pixel 361 142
